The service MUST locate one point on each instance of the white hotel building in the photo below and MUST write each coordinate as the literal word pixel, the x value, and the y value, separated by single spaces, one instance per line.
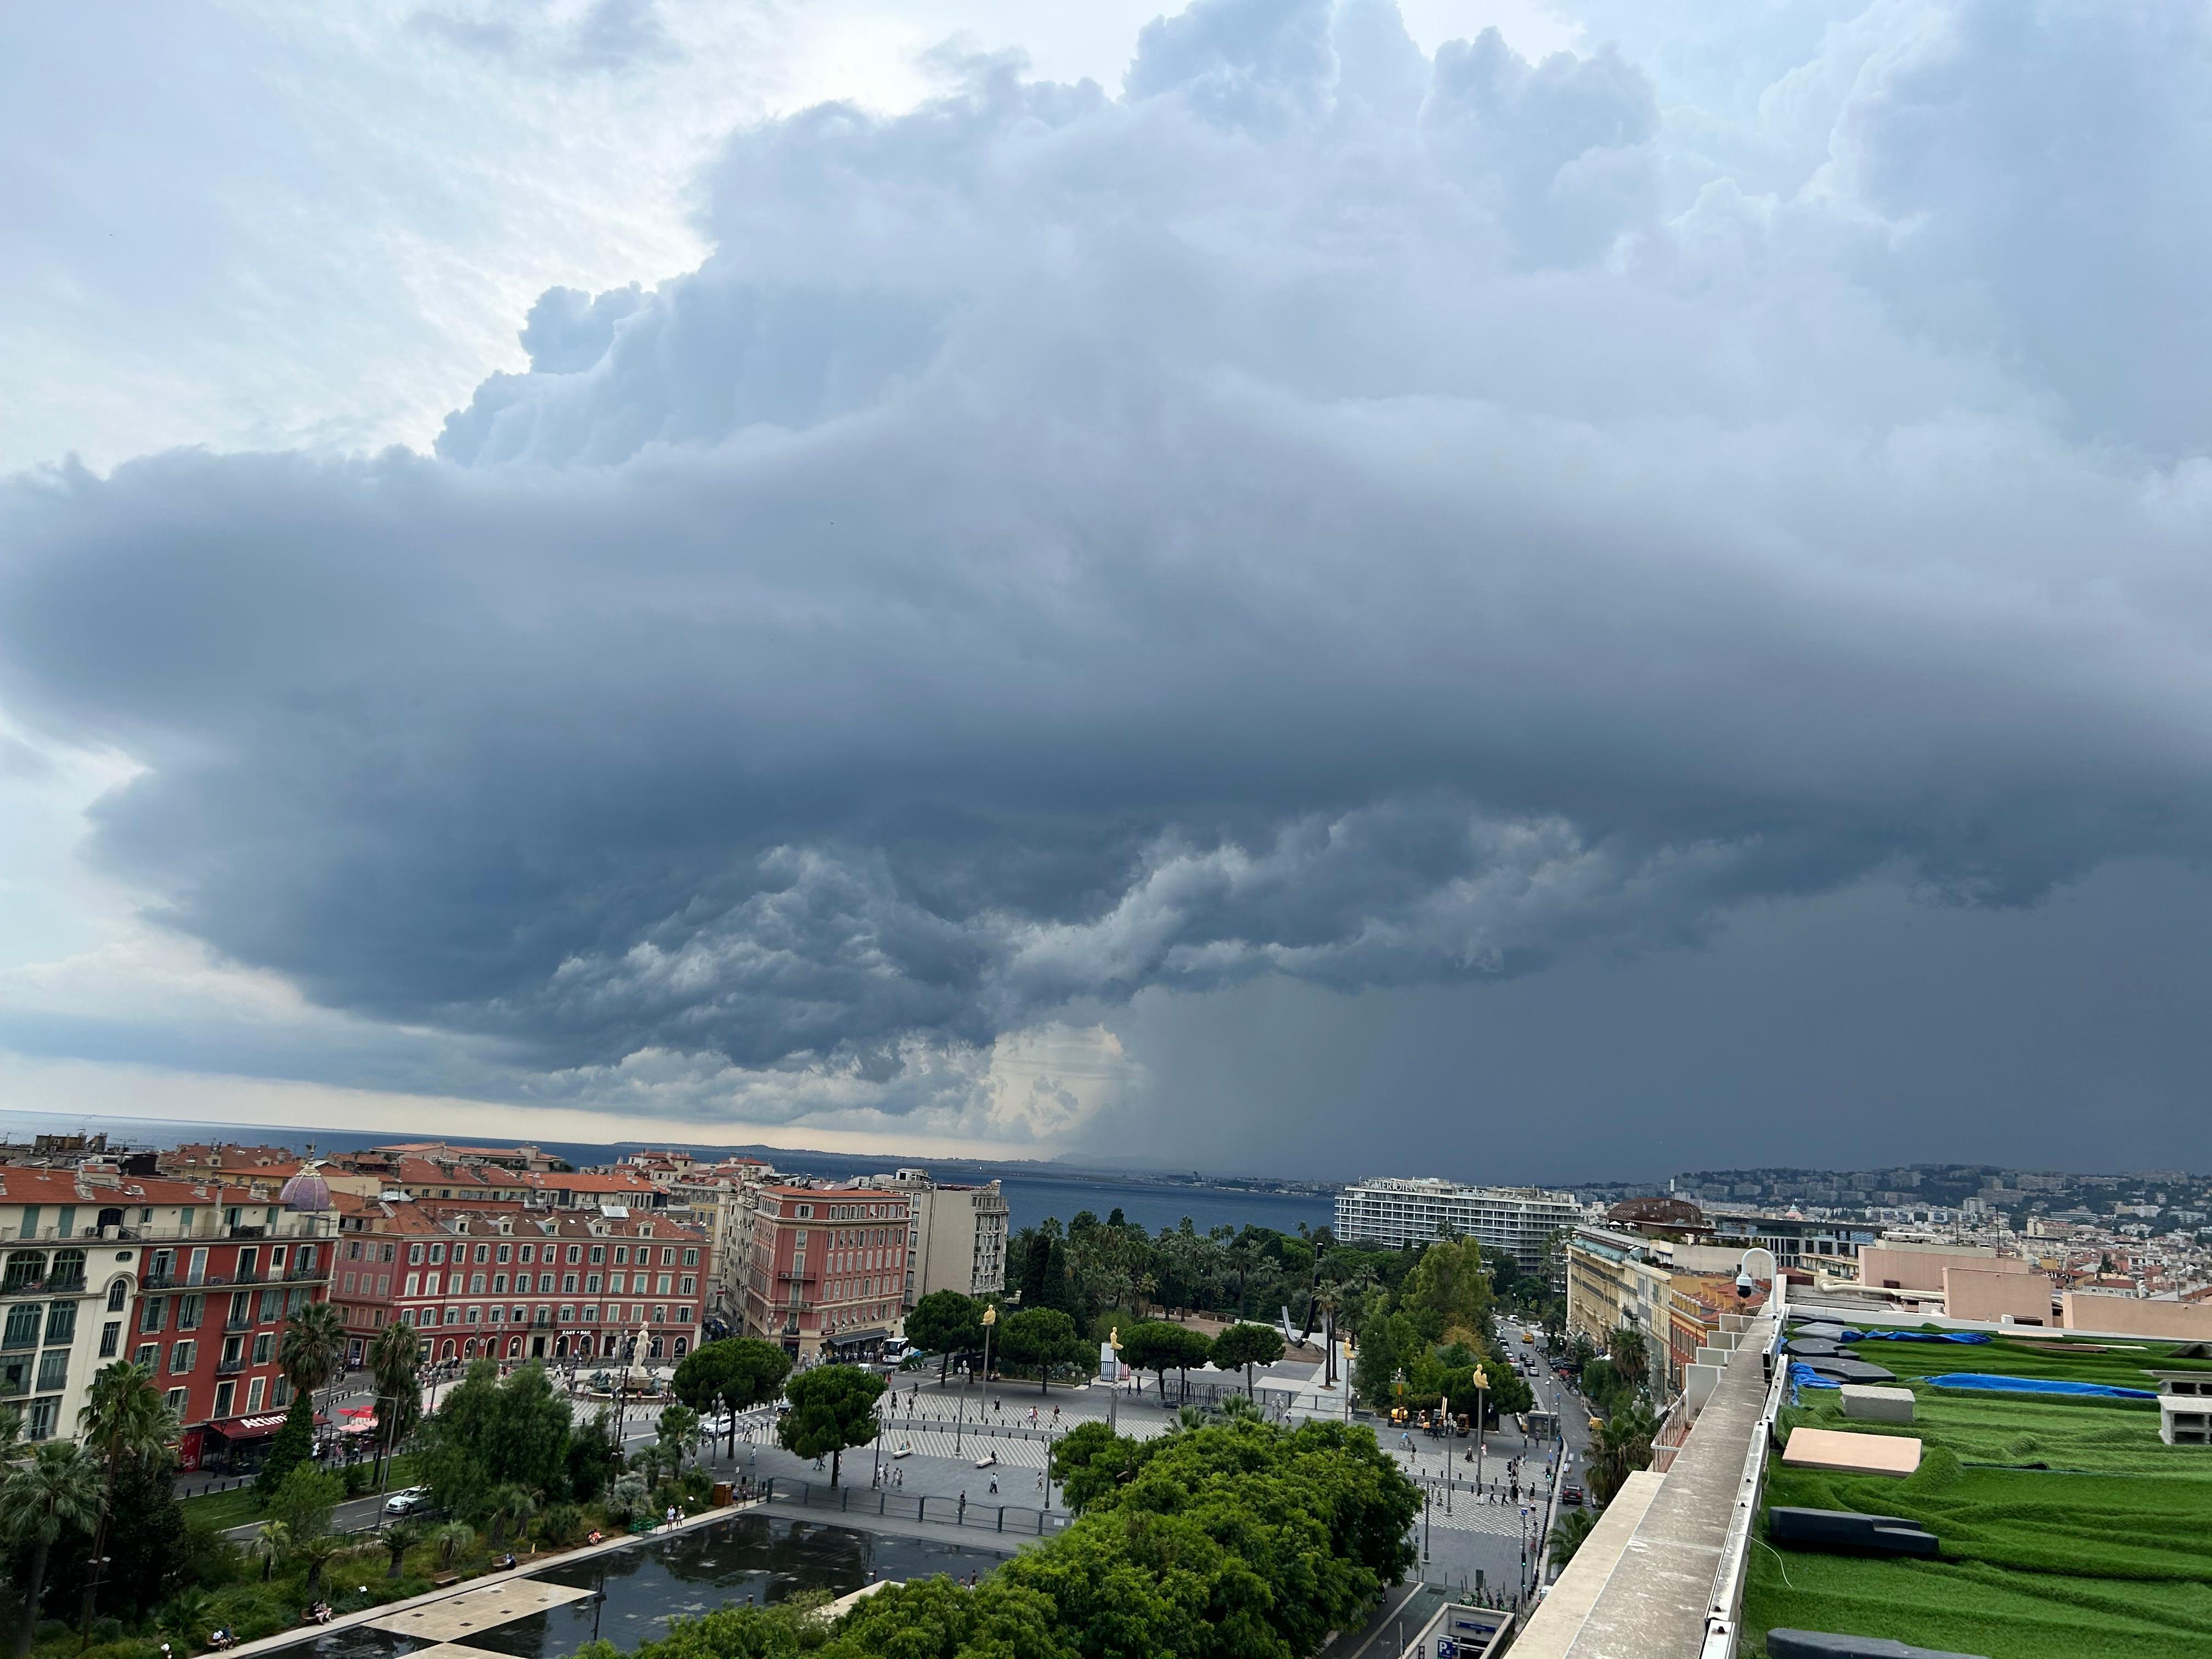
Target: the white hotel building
pixel 1518 1220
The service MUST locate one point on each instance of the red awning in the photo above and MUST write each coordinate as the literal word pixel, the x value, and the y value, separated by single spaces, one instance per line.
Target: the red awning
pixel 254 1428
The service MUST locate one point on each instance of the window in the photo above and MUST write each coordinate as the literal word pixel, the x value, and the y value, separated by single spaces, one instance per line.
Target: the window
pixel 147 1355
pixel 188 1311
pixel 25 1269
pixel 499 1284
pixel 159 1264
pixel 476 1284
pixel 255 1388
pixel 431 1282
pixel 272 1305
pixel 277 1258
pixel 452 1315
pixel 437 1252
pixel 591 1316
pixel 622 1255
pixel 568 1316
pixel 68 1271
pixel 280 1393
pixel 568 1283
pixel 691 1257
pixel 684 1315
pixel 476 1316
pixel 61 1323
pixel 529 1253
pixel 661 1316
pixel 690 1283
pixel 175 1400
pixel 30 1221
pixel 409 1288
pixel 575 1254
pixel 661 1284
pixel 495 1315
pixel 414 1254
pixel 110 1339
pixel 264 1347
pixel 181 1357
pixel 668 1256
pixel 388 1253
pixel 54 1370
pixel 506 1252
pixel 353 1250
pixel 226 1395
pixel 618 1283
pixel 40 1421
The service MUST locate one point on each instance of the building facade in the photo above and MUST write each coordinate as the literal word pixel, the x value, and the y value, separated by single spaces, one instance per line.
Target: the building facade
pixel 1519 1221
pixel 955 1238
pixel 516 1282
pixel 827 1273
pixel 192 1281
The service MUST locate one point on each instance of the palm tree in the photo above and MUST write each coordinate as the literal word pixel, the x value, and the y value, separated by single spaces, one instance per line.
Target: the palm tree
pixel 57 1487
pixel 1567 1536
pixel 452 1538
pixel 400 1537
pixel 1630 1357
pixel 317 1552
pixel 1622 1446
pixel 124 1417
pixel 271 1543
pixel 679 1433
pixel 313 1344
pixel 512 1506
pixel 186 1617
pixel 393 1357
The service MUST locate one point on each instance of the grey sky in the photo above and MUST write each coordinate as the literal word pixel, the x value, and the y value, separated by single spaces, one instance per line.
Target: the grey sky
pixel 1199 605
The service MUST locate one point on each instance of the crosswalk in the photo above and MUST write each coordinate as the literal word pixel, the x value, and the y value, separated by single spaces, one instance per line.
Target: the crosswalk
pixel 939 1443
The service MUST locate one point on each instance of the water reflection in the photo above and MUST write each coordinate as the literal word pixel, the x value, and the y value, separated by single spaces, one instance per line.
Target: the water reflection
pixel 767 1557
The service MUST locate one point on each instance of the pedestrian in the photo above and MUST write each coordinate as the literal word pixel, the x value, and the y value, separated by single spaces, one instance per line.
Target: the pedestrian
pixel 962 1511
pixel 994 1483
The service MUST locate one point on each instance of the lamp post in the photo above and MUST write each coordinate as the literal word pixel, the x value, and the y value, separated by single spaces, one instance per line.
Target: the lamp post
pixel 1114 1384
pixel 1481 1388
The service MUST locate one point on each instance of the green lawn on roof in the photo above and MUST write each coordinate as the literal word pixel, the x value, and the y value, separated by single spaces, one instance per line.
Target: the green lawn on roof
pixel 2106 1549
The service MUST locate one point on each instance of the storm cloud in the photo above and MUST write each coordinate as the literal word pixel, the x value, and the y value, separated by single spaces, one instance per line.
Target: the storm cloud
pixel 1319 511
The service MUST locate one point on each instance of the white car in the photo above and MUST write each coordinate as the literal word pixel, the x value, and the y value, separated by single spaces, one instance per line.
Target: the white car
pixel 409 1500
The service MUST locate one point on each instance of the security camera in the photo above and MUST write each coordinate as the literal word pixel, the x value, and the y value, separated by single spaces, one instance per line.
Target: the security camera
pixel 1743 1283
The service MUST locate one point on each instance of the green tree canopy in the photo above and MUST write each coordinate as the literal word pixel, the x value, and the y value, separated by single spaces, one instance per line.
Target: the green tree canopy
pixel 946 1322
pixel 1043 1337
pixel 1243 1347
pixel 305 1501
pixel 295 1444
pixel 1450 1282
pixel 1160 1346
pixel 490 1433
pixel 833 1409
pixel 1626 1347
pixel 731 1376
pixel 1622 1446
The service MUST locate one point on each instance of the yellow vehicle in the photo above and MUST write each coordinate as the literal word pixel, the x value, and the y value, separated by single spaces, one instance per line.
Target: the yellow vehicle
pixel 1527 1336
pixel 1596 1423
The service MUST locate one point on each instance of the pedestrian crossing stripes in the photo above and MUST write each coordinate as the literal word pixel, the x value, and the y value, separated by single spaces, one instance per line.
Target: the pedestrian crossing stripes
pixel 939 1443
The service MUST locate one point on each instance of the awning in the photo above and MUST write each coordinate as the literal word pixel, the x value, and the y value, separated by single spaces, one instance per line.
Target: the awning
pixel 254 1428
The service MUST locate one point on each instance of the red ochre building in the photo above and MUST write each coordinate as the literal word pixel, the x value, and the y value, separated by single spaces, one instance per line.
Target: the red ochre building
pixel 827 1269
pixel 517 1282
pixel 191 1280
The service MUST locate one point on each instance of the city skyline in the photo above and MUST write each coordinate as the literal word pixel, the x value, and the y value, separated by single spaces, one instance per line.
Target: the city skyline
pixel 1616 585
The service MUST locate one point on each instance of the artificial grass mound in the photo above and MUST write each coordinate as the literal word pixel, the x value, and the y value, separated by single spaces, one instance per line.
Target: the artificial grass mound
pixel 2066 1526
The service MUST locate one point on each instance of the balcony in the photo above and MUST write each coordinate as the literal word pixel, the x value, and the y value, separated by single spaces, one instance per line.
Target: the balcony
pixel 798 1271
pixel 229 1367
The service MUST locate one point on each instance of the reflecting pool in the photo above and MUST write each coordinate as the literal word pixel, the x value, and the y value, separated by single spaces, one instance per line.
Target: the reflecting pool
pixel 639 1589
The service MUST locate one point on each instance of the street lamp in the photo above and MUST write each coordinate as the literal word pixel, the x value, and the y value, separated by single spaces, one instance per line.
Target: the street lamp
pixel 1481 1384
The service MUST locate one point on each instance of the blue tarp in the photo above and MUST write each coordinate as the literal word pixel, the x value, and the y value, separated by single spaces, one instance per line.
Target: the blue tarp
pixel 1802 1376
pixel 1914 1336
pixel 1993 1384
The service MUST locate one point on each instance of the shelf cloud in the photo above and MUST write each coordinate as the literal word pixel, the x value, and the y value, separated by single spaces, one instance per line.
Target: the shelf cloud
pixel 1319 511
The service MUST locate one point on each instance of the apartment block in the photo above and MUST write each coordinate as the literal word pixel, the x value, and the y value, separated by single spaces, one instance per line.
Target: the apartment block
pixel 957 1239
pixel 1519 1221
pixel 826 1276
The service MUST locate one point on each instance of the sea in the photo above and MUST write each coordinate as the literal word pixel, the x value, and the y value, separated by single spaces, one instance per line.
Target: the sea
pixel 1034 1191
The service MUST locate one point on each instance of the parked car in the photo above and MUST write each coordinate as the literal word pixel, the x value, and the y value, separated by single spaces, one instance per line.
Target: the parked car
pixel 409 1500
